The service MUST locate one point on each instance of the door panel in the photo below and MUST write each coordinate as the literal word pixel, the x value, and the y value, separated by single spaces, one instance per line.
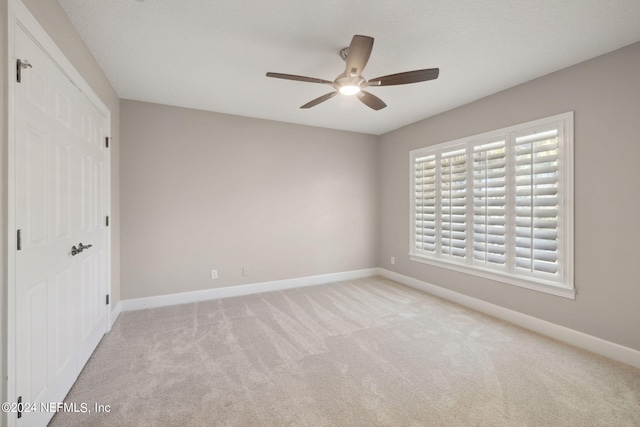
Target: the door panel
pixel 62 110
pixel 38 340
pixel 87 294
pixel 63 326
pixel 61 187
pixel 37 89
pixel 86 187
pixel 35 188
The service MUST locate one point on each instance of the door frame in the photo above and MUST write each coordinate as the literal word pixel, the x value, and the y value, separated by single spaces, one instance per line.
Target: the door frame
pixel 17 14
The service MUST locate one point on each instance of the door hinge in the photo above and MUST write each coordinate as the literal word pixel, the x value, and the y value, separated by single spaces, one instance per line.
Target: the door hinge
pixel 19 407
pixel 107 221
pixel 19 240
pixel 20 64
pixel 107 299
pixel 106 141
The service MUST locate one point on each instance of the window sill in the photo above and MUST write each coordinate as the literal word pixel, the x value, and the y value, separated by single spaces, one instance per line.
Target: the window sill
pixel 533 284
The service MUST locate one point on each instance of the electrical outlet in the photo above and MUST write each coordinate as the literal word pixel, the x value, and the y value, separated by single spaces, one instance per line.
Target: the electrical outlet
pixel 393 260
pixel 214 274
pixel 245 272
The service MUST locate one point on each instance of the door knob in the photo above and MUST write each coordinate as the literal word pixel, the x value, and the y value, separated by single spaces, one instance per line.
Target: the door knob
pixel 76 250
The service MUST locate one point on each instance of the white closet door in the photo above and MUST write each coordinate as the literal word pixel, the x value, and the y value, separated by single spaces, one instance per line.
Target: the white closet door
pixel 60 191
pixel 90 168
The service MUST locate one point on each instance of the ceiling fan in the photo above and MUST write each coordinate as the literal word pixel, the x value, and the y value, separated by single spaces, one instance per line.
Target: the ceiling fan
pixel 351 81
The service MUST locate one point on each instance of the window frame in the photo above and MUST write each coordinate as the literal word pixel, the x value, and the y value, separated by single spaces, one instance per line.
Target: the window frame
pixel 565 286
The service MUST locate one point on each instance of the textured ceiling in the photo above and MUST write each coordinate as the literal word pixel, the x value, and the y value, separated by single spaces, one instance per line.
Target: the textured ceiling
pixel 213 54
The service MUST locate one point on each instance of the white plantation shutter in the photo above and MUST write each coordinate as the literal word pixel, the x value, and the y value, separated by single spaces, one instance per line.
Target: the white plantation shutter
pixel 489 203
pixel 495 205
pixel 453 203
pixel 425 203
pixel 536 202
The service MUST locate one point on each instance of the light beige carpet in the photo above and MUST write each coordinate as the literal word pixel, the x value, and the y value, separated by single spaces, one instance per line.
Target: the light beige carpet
pixel 367 352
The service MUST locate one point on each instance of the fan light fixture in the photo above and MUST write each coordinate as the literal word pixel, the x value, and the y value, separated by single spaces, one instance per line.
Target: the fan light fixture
pixel 349 90
pixel 351 81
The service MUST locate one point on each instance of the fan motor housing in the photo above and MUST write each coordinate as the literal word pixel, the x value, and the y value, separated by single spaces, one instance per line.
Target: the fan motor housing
pixel 344 80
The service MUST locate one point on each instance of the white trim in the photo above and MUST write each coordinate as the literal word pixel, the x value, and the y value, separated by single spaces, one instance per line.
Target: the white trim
pixel 240 290
pixel 479 271
pixel 114 315
pixel 579 339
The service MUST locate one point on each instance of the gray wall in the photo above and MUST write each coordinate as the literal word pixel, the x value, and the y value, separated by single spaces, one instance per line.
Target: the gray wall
pixel 204 190
pixel 605 95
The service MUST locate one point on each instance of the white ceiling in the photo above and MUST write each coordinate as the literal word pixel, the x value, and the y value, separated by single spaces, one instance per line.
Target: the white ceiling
pixel 213 54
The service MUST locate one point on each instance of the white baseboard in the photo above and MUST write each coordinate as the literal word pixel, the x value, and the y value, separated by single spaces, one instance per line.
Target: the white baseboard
pixel 114 314
pixel 614 351
pixel 579 339
pixel 235 291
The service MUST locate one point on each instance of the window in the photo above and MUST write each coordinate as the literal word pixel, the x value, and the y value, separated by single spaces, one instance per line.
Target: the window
pixel 499 205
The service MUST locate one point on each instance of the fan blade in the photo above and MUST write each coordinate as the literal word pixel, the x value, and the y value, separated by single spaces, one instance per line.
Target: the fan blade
pixel 299 78
pixel 406 77
pixel 371 101
pixel 319 100
pixel 358 55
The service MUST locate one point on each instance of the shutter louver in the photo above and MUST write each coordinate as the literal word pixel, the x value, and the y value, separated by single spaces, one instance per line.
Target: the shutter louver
pixel 425 203
pixel 489 202
pixel 536 202
pixel 453 203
